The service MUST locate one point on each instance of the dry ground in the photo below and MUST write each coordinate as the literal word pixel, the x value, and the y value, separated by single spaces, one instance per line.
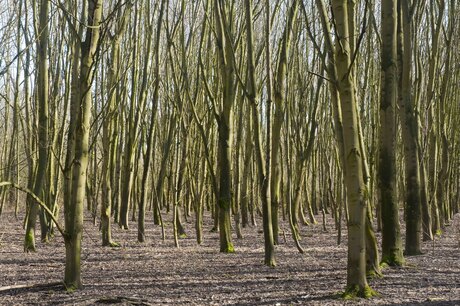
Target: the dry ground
pixel 157 273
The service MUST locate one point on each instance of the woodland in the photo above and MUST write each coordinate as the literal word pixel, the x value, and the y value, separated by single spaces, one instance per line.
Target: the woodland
pixel 215 152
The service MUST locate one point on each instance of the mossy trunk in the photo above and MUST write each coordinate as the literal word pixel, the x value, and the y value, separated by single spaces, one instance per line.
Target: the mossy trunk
pixel 295 203
pixel 72 277
pixel 72 273
pixel 74 208
pixel 236 204
pixel 356 189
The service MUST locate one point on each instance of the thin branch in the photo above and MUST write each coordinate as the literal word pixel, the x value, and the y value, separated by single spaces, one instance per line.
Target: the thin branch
pixel 320 76
pixel 39 202
pixel 360 39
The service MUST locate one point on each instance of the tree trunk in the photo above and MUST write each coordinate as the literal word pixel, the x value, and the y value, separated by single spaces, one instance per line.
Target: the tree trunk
pixel 225 127
pixel 262 164
pixel 410 134
pixel 392 253
pixel 279 93
pixel 74 209
pixel 107 130
pixel 356 271
pixel 150 132
pixel 43 131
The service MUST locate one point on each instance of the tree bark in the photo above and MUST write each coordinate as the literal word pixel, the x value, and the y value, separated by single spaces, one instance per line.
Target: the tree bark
pixel 74 209
pixel 107 130
pixel 150 132
pixel 392 253
pixel 262 163
pixel 410 134
pixel 279 93
pixel 225 126
pixel 356 192
pixel 43 131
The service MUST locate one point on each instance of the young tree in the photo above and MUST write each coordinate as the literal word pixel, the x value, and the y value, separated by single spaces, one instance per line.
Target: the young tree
pixel 43 128
pixel 262 163
pixel 279 98
pixel 138 97
pixel 150 131
pixel 108 126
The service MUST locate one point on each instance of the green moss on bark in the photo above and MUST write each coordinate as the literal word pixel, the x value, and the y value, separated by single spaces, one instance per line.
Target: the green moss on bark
pixel 228 249
pixel 392 260
pixel 374 273
pixel 29 242
pixel 356 291
pixel 114 244
pixel 71 288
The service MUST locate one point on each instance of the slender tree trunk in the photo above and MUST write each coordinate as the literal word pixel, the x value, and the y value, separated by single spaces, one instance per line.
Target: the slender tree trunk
pixel 137 108
pixel 225 127
pixel 43 131
pixel 410 135
pixel 107 130
pixel 443 197
pixel 150 132
pixel 245 193
pixel 262 164
pixel 279 93
pixel 237 177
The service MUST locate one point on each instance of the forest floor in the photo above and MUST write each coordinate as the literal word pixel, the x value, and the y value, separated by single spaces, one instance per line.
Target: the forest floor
pixel 158 273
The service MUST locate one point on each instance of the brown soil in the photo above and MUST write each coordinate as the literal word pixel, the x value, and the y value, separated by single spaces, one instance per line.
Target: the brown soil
pixel 158 273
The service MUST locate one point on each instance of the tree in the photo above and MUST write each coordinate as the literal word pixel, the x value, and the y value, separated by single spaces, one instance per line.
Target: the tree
pixel 43 128
pixel 138 97
pixel 356 191
pixel 410 131
pixel 108 126
pixel 224 117
pixel 279 97
pixel 263 164
pixel 150 131
pixel 74 206
pixel 392 253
